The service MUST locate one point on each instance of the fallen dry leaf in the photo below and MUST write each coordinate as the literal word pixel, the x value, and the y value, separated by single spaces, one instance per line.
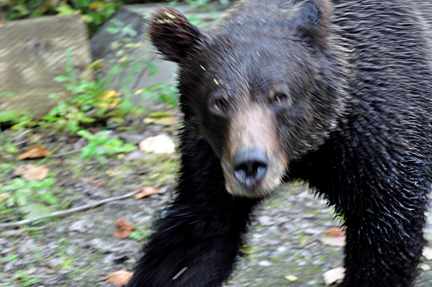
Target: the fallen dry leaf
pixel 36 151
pixel 334 276
pixel 166 121
pixel 96 5
pixel 119 278
pixel 109 99
pixel 124 227
pixel 334 237
pixel 146 191
pixel 158 144
pixel 31 171
pixel 123 222
pixel 335 232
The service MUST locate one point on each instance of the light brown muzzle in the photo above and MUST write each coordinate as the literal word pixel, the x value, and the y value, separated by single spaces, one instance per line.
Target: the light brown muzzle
pixel 253 161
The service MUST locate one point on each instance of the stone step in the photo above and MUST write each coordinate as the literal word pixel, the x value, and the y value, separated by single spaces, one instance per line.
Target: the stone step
pixel 33 53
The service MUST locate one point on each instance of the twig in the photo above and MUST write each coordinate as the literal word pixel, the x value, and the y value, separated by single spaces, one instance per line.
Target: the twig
pixel 68 211
pixel 23 133
pixel 16 232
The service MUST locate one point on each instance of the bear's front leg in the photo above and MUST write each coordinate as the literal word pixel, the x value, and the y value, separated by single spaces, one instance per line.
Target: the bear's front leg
pixel 197 241
pixel 384 238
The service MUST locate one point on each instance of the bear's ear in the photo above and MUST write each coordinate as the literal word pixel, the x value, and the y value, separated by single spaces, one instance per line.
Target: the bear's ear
pixel 313 20
pixel 173 35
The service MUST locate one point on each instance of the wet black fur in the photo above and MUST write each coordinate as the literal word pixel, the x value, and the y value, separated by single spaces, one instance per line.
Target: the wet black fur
pixel 357 129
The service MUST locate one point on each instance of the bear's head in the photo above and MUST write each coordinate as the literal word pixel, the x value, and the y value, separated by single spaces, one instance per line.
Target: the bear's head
pixel 263 88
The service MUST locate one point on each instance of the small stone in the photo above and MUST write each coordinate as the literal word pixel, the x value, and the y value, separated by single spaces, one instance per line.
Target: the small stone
pixel 425 267
pixel 265 220
pixel 427 253
pixel 334 276
pixel 265 263
pixel 80 226
pixel 161 144
pixel 281 249
pixel 291 278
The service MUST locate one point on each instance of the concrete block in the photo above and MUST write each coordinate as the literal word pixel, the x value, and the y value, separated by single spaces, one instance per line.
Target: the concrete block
pixel 33 53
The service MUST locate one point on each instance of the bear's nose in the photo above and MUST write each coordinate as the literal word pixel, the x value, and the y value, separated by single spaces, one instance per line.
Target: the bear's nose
pixel 250 166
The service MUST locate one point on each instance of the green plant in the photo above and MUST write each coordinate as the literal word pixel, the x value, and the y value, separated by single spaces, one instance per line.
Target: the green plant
pixel 124 56
pixel 77 108
pixel 91 98
pixel 203 3
pixel 30 198
pixel 99 146
pixel 18 118
pixel 65 253
pixel 10 258
pixel 24 279
pixel 19 9
pixel 139 234
pixel 95 13
pixel 88 100
pixel 165 92
pixel 21 190
pixel 9 148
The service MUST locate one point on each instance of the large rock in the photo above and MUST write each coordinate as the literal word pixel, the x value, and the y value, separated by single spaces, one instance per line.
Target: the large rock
pixel 33 53
pixel 135 16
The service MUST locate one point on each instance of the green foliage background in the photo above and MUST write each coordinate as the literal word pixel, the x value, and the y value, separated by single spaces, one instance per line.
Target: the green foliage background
pixel 95 12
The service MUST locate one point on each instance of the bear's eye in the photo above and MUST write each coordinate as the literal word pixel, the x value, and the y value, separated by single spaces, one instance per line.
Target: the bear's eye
pixel 280 98
pixel 220 105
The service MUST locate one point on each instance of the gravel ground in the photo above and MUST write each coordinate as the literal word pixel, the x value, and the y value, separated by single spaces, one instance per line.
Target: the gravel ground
pixel 79 249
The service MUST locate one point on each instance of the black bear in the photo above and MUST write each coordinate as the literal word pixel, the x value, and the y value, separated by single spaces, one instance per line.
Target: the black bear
pixel 334 93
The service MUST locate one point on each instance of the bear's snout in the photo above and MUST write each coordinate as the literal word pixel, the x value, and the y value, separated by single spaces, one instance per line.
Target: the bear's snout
pixel 250 167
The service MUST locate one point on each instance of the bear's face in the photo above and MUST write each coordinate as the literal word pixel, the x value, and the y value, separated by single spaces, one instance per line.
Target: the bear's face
pixel 252 100
pixel 258 101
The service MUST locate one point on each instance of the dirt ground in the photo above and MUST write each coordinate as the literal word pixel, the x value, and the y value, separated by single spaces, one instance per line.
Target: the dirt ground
pixel 80 249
